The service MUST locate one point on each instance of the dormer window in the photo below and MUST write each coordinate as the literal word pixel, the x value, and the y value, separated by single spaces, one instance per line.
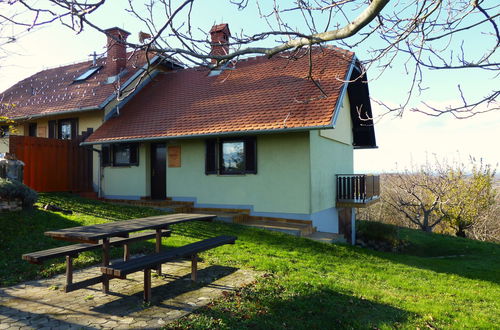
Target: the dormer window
pixel 84 76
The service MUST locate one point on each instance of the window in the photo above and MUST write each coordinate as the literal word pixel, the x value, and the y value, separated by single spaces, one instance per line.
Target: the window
pixel 4 130
pixel 32 129
pixel 122 154
pixel 84 76
pixel 231 156
pixel 67 129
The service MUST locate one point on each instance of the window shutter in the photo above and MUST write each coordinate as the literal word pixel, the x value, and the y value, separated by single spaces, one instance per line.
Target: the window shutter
pixel 74 128
pixel 52 129
pixel 32 129
pixel 211 157
pixel 134 154
pixel 106 155
pixel 250 155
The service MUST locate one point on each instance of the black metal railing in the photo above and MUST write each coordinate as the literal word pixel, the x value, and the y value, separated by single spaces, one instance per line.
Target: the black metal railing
pixel 358 188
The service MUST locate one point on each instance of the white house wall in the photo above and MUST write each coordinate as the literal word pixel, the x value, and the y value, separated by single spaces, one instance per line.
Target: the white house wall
pixel 279 189
pixel 331 153
pixel 128 182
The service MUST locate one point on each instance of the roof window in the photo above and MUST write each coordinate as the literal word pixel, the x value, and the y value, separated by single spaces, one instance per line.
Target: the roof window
pixel 84 76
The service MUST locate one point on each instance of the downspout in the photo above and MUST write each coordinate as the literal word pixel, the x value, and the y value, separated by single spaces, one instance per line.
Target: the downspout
pixel 99 173
pixel 353 226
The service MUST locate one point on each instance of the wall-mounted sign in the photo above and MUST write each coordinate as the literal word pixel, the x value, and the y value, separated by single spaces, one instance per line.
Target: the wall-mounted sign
pixel 174 156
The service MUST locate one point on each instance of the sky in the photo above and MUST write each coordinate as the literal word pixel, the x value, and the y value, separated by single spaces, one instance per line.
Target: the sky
pixel 402 142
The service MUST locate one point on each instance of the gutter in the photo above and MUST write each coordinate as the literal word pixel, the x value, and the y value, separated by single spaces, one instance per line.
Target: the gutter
pixel 75 110
pixel 207 135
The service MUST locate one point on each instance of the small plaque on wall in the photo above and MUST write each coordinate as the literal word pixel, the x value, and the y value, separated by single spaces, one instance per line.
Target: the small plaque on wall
pixel 174 156
pixel 41 131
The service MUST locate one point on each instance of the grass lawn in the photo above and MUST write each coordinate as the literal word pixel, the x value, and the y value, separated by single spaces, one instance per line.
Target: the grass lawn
pixel 440 282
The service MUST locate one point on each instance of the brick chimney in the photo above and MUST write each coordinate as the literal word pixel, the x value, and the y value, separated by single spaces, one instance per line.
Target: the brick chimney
pixel 116 50
pixel 220 37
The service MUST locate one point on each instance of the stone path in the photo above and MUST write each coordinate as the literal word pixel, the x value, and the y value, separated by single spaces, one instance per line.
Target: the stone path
pixel 42 305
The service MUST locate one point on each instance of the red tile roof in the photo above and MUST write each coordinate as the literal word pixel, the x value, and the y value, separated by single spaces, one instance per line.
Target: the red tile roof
pixel 53 91
pixel 259 94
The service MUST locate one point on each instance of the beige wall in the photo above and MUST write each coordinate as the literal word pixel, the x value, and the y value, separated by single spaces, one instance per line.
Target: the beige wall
pixel 90 119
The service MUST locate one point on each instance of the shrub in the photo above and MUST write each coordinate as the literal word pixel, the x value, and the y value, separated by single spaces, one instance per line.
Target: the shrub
pixel 11 189
pixel 379 236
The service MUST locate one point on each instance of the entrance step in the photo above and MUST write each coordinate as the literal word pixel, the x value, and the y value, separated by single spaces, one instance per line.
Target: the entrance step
pixel 291 228
pixel 326 237
pixel 163 205
pixel 223 215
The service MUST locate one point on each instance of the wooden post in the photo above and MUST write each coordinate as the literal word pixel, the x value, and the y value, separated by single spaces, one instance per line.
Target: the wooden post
pixel 126 252
pixel 194 267
pixel 105 262
pixel 158 249
pixel 69 270
pixel 147 285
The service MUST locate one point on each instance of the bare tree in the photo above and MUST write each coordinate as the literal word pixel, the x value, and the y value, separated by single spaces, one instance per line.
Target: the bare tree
pixel 418 195
pixel 417 35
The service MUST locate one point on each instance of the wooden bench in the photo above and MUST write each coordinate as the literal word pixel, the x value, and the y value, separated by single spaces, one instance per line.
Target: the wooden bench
pixel 72 251
pixel 146 263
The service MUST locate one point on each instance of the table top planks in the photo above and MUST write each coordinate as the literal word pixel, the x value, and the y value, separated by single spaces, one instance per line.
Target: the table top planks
pixel 92 234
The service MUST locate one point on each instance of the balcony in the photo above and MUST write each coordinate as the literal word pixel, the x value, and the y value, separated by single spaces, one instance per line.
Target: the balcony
pixel 357 190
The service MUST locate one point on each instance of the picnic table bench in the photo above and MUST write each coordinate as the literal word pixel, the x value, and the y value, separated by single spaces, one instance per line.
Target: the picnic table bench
pixel 117 233
pixel 72 251
pixel 148 262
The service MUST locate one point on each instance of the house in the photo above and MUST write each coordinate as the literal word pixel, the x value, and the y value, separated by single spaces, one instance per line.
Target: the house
pixel 256 134
pixel 70 101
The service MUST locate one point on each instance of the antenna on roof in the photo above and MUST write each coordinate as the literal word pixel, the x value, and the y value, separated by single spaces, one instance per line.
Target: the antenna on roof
pixel 94 58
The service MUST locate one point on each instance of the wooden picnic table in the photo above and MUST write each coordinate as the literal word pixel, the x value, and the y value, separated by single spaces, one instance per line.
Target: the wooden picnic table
pixel 102 233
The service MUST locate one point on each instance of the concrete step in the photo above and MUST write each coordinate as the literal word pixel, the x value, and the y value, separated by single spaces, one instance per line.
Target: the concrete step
pixel 295 229
pixel 231 217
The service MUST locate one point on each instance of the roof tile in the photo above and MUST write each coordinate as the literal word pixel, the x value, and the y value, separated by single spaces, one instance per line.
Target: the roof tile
pixel 54 90
pixel 259 94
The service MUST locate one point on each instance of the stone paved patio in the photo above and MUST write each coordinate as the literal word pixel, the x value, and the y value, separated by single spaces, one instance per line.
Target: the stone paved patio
pixel 42 305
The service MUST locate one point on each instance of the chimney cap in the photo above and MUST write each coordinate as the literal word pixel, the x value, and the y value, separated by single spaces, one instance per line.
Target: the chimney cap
pixel 224 27
pixel 117 29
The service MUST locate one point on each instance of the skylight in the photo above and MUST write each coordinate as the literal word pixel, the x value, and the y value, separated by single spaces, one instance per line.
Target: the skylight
pixel 84 76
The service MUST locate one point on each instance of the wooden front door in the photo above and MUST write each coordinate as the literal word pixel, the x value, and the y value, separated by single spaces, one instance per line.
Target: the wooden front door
pixel 158 171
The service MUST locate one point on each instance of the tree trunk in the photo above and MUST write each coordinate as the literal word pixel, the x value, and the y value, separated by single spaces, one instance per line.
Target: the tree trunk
pixel 425 223
pixel 460 232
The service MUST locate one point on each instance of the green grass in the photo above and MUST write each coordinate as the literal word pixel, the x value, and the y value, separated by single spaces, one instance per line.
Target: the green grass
pixel 22 232
pixel 438 282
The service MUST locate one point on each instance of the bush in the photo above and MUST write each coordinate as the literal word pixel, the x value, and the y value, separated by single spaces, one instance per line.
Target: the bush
pixel 11 189
pixel 379 236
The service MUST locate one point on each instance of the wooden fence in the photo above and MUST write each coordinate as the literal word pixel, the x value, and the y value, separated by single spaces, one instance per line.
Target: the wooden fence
pixel 54 165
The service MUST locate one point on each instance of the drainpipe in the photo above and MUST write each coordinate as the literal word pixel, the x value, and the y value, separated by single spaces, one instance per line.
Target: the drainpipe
pixel 353 226
pixel 99 173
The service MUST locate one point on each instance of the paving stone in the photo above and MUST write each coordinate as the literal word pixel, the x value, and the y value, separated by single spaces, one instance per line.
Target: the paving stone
pixel 36 304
